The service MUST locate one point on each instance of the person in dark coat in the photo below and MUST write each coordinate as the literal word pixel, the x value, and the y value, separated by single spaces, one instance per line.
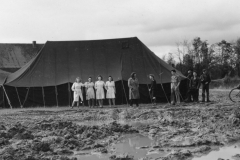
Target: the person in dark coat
pixel 205 80
pixel 189 77
pixel 194 86
pixel 152 88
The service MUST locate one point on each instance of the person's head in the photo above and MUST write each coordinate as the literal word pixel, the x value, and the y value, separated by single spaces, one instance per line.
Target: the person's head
pixel 89 79
pixel 151 76
pixel 110 78
pixel 78 80
pixel 133 75
pixel 190 71
pixel 173 72
pixel 99 77
pixel 194 73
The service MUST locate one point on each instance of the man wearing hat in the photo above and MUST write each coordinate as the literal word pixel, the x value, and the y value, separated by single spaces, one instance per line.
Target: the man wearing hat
pixel 205 80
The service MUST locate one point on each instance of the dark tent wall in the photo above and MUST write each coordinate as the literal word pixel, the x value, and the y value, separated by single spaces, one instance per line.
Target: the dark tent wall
pixel 46 80
pixel 47 96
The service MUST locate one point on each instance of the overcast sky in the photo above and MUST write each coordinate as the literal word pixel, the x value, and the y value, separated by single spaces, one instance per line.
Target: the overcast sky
pixel 157 23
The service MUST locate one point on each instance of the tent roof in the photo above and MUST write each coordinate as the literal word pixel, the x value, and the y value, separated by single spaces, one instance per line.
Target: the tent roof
pixel 60 62
pixel 15 55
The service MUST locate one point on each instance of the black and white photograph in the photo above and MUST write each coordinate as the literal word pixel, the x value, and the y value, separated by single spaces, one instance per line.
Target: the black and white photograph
pixel 119 80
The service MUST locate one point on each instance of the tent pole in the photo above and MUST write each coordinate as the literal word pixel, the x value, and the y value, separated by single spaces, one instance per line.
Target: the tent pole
pixel 19 98
pixel 26 96
pixel 124 92
pixel 69 95
pixel 7 97
pixel 56 92
pixel 43 97
pixel 163 88
pixel 3 99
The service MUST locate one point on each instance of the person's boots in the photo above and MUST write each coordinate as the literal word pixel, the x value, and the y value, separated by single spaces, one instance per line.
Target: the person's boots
pixel 154 101
pixel 208 99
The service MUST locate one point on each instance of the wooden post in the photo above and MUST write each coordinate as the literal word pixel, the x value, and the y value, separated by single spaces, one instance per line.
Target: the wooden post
pixel 56 95
pixel 9 102
pixel 19 98
pixel 43 97
pixel 26 96
pixel 124 92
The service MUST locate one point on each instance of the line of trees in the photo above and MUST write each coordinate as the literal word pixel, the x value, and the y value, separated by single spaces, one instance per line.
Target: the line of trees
pixel 221 59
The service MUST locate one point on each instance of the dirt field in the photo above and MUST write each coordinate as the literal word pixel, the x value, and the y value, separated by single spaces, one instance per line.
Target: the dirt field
pixel 176 132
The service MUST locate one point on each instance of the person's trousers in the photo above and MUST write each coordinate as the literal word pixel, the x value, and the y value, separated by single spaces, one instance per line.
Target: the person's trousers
pixel 175 95
pixel 189 97
pixel 205 88
pixel 194 93
pixel 134 101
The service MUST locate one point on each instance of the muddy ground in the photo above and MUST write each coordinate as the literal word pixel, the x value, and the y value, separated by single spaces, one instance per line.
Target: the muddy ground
pixel 184 132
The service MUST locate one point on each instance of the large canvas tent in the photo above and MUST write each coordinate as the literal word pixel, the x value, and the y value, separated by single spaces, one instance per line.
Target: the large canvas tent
pixel 46 79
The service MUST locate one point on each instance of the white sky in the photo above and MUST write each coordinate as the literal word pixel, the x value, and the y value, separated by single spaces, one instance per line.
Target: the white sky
pixel 157 23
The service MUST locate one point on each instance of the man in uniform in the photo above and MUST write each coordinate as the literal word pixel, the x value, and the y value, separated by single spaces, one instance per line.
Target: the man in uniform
pixel 205 80
pixel 189 77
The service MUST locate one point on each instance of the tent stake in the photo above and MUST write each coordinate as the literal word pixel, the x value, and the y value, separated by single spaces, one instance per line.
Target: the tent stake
pixel 125 92
pixel 19 98
pixel 56 92
pixel 26 96
pixel 7 97
pixel 43 97
pixel 163 88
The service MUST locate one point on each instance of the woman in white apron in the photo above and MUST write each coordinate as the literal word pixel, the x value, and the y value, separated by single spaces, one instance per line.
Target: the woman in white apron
pixel 77 92
pixel 111 91
pixel 90 94
pixel 99 86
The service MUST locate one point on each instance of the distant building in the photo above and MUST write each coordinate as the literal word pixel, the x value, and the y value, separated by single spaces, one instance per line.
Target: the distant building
pixel 14 55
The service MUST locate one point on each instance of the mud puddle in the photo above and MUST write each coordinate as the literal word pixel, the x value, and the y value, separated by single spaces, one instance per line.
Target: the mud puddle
pixel 135 145
pixel 226 153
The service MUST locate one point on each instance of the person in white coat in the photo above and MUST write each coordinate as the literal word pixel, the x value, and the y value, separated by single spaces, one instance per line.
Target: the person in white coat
pixel 99 86
pixel 111 91
pixel 90 93
pixel 77 92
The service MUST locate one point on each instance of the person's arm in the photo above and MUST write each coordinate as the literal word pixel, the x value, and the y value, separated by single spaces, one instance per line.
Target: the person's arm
pixel 129 83
pixel 86 87
pixel 199 83
pixel 73 87
pixel 106 85
pixel 178 82
pixel 114 87
pixel 95 85
pixel 151 86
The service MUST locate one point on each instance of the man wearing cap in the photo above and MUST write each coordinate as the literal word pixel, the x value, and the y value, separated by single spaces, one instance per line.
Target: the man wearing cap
pixel 175 82
pixel 205 80
pixel 189 77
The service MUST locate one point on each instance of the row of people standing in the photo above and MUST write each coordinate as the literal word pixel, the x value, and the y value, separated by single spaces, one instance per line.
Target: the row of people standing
pixel 99 86
pixel 90 87
pixel 194 83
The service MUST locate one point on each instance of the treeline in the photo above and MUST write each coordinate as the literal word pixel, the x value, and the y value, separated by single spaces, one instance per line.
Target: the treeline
pixel 221 59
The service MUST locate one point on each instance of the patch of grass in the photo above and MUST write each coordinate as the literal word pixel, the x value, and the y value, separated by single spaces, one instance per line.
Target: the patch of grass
pixel 225 83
